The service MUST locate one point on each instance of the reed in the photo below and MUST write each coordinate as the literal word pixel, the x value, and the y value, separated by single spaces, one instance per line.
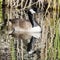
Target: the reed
pixel 12 50
pixel 0 11
pixel 50 31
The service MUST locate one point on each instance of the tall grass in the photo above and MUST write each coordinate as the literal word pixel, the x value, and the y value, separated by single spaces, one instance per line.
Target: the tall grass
pixel 0 11
pixel 53 51
pixel 12 49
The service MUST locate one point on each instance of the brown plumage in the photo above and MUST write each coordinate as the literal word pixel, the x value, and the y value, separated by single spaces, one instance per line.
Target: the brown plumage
pixel 22 23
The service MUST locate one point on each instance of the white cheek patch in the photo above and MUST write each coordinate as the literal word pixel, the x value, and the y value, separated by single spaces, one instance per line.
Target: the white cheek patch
pixel 32 11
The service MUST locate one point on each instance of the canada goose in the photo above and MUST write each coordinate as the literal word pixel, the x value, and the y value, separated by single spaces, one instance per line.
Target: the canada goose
pixel 35 25
pixel 23 26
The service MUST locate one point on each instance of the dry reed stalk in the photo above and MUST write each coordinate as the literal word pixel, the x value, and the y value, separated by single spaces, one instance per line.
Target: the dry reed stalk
pixel 52 36
pixel 38 18
pixel 25 6
pixel 8 2
pixel 21 8
pixel 54 5
pixel 39 4
pixel 11 17
pixel 26 3
pixel 58 8
pixel 28 6
pixel 46 56
pixel 8 19
pixel 18 51
pixel 43 40
pixel 14 3
pixel 17 2
pixel 22 49
pixel 30 3
pixel 48 6
pixel 59 26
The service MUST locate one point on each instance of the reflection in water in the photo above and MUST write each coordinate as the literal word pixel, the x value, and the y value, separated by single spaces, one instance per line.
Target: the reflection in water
pixel 32 37
pixel 26 35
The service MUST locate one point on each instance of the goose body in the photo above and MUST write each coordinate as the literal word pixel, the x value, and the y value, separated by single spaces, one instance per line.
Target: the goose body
pixel 23 26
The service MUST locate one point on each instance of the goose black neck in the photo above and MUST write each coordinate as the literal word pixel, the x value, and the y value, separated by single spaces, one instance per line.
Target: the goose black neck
pixel 31 18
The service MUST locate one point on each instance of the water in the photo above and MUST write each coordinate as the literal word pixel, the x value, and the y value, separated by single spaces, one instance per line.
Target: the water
pixel 31 46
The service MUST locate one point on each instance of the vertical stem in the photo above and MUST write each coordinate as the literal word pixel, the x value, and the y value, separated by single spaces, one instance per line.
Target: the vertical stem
pixel 17 2
pixel 8 2
pixel 22 49
pixel 54 4
pixel 12 49
pixel 21 8
pixel 18 51
pixel 30 2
